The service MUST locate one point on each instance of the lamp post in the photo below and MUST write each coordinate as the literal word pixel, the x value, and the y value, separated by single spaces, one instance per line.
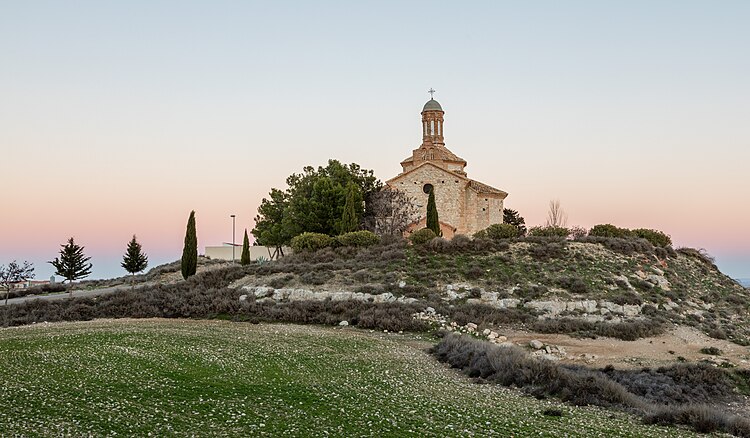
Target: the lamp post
pixel 232 216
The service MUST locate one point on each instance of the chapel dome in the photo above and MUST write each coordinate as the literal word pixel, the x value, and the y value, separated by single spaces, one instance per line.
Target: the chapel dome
pixel 432 105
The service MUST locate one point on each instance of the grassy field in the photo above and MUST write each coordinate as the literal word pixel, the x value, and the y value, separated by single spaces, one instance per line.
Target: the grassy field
pixel 167 377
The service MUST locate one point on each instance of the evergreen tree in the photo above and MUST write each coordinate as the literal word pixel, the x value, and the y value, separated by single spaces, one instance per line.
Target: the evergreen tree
pixel 245 257
pixel 433 222
pixel 134 260
pixel 190 250
pixel 349 220
pixel 512 217
pixel 72 263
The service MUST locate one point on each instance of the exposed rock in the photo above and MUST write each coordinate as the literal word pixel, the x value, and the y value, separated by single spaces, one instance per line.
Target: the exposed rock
pixel 401 284
pixel 536 344
pixel 658 280
pixel 551 308
pixel 243 297
pixel 344 323
pixel 427 310
pixel 508 303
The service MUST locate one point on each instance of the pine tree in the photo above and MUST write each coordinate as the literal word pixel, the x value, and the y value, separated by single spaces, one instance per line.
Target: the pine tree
pixel 433 222
pixel 190 250
pixel 349 215
pixel 245 257
pixel 134 260
pixel 72 263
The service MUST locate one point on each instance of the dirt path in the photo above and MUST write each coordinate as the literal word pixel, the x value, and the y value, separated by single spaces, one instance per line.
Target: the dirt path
pixel 681 341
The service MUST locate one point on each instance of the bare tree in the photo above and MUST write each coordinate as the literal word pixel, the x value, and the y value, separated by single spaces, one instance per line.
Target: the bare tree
pixel 14 273
pixel 556 216
pixel 389 212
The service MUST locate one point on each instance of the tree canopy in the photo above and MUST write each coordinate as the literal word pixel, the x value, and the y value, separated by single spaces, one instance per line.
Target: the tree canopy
pixel 134 260
pixel 512 217
pixel 315 201
pixel 72 263
pixel 189 260
pixel 433 221
pixel 14 273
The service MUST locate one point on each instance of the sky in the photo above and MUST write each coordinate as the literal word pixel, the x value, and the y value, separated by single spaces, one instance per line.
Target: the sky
pixel 119 118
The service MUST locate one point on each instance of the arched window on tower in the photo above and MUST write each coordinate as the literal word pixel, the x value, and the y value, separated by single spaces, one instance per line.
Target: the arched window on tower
pixel 432 127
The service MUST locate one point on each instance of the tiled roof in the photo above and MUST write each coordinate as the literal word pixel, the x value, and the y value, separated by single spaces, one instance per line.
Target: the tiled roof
pixel 442 154
pixel 484 188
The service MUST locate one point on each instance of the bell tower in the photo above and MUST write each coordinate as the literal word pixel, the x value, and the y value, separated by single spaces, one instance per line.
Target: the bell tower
pixel 432 123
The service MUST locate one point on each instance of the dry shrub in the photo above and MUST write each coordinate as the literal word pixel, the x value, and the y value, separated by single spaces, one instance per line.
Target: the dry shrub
pixel 626 331
pixel 511 366
pixel 487 315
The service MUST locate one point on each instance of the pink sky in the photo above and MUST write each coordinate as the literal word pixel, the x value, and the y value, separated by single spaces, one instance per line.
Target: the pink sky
pixel 118 119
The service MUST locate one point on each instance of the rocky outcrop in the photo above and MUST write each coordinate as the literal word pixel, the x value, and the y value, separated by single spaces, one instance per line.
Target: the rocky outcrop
pixel 265 293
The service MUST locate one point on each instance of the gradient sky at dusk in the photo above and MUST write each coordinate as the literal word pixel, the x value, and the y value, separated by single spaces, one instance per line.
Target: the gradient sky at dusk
pixel 118 118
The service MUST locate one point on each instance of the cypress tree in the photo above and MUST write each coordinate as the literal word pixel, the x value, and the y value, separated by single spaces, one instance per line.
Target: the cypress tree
pixel 245 257
pixel 72 263
pixel 433 222
pixel 190 250
pixel 134 260
pixel 349 215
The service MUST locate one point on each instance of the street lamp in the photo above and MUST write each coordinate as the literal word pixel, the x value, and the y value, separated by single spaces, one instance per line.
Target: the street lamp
pixel 232 216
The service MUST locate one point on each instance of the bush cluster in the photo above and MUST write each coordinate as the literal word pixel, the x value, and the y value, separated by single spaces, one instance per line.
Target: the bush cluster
pixel 654 237
pixel 549 231
pixel 609 230
pixel 498 231
pixel 626 331
pixel 668 395
pixel 311 242
pixel 358 238
pixel 422 236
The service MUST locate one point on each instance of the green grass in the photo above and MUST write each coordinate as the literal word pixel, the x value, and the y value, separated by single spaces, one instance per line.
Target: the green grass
pixel 209 378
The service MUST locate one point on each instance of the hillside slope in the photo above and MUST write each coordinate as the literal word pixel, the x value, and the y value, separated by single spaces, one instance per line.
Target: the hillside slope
pixel 597 281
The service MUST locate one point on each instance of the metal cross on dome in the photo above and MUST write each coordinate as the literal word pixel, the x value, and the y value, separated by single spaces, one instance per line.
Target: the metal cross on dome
pixel 431 91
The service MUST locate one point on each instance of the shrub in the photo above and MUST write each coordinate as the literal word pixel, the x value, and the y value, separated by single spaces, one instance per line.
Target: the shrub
pixel 609 230
pixel 627 297
pixel 700 254
pixel 575 285
pixel 701 418
pixel 713 351
pixel 547 250
pixel 422 236
pixel 311 242
pixel 577 233
pixel 487 315
pixel 502 231
pixel 480 235
pixel 358 238
pixel 461 242
pixel 655 237
pixel 550 231
pixel 626 331
pixel 440 245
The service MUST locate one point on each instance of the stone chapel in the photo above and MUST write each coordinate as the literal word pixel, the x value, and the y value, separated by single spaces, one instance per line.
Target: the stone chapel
pixel 464 205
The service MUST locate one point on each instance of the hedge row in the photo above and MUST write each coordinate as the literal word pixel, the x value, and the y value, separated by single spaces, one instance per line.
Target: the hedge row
pixel 316 241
